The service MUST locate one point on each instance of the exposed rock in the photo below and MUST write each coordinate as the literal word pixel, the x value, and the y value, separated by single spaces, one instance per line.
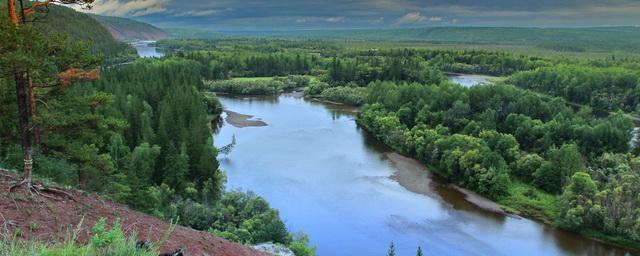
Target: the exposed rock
pixel 274 249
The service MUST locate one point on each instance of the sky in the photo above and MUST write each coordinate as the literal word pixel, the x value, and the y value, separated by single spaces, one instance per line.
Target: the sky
pixel 344 14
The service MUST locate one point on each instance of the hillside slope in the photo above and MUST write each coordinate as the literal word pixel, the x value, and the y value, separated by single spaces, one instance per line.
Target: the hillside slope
pixel 80 26
pixel 130 30
pixel 44 219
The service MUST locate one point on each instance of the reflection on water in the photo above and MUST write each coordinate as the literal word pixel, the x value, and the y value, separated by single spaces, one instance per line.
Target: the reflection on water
pixel 336 182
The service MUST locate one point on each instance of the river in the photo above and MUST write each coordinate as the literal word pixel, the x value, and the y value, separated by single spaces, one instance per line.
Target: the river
pixel 145 50
pixel 353 196
pixel 469 80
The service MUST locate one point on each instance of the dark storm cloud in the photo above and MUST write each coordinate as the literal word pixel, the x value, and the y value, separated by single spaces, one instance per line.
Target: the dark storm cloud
pixel 295 14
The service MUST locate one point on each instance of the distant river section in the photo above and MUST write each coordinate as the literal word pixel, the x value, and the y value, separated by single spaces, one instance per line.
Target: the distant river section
pixel 145 50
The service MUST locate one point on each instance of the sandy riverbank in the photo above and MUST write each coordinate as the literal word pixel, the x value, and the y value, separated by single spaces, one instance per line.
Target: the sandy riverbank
pixel 415 177
pixel 241 120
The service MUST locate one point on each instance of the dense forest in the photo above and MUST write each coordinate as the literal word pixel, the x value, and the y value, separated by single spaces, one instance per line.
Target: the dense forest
pixel 581 39
pixel 538 143
pixel 605 88
pixel 77 26
pixel 552 139
pixel 497 139
pixel 140 135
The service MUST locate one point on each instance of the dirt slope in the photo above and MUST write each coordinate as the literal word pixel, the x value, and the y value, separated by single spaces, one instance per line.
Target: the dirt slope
pixel 56 218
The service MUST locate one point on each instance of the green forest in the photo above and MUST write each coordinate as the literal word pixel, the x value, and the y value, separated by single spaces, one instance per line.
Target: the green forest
pixel 551 141
pixel 551 138
pixel 139 135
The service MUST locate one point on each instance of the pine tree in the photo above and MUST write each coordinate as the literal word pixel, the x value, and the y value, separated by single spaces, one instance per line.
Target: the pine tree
pixel 118 151
pixel 177 168
pixel 26 53
pixel 392 250
pixel 419 253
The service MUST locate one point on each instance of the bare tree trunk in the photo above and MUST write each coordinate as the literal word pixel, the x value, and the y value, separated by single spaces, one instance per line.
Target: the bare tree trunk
pixel 22 82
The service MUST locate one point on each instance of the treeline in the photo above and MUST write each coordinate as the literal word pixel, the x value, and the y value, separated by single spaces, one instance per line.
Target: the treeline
pixel 141 135
pixel 492 138
pixel 258 86
pixel 483 62
pixel 227 58
pixel 461 61
pixel 225 65
pixel 608 88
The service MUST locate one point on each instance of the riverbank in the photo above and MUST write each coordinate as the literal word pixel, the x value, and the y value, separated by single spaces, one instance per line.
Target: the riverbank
pixel 521 200
pixel 416 177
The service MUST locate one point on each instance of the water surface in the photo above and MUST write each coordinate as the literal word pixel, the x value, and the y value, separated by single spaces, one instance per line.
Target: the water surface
pixel 469 80
pixel 335 182
pixel 145 50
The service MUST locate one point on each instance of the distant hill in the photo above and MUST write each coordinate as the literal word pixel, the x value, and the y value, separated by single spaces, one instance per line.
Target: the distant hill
pixel 79 26
pixel 130 30
pixel 560 39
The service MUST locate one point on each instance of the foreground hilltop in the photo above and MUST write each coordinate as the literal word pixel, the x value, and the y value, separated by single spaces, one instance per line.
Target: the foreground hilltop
pixel 52 219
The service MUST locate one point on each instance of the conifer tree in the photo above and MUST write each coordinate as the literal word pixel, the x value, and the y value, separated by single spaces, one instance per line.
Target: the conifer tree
pixel 25 52
pixel 392 250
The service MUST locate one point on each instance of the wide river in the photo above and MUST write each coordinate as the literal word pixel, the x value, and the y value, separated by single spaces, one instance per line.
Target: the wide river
pixel 334 181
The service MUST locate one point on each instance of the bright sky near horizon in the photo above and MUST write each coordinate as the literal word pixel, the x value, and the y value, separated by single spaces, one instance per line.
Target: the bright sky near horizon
pixel 309 14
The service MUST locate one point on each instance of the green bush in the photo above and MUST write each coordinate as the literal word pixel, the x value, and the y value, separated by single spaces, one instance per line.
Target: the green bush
pixel 355 96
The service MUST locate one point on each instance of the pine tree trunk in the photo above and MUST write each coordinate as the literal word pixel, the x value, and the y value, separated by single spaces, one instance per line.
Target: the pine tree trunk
pixel 32 111
pixel 11 8
pixel 22 82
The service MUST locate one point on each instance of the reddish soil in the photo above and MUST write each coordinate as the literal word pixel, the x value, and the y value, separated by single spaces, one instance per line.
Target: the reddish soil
pixel 55 219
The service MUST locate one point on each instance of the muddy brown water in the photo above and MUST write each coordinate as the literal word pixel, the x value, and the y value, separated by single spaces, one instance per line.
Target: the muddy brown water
pixel 353 196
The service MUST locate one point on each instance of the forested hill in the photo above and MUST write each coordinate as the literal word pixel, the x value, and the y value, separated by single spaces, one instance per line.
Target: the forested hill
pixel 130 30
pixel 80 26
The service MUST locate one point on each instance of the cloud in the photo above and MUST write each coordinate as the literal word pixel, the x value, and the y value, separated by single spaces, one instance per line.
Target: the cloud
pixel 129 8
pixel 334 19
pixel 283 14
pixel 378 20
pixel 196 13
pixel 417 17
pixel 412 17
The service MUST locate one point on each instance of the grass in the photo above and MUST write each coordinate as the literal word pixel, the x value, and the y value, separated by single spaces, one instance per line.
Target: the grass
pixel 529 201
pixel 612 239
pixel 104 241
